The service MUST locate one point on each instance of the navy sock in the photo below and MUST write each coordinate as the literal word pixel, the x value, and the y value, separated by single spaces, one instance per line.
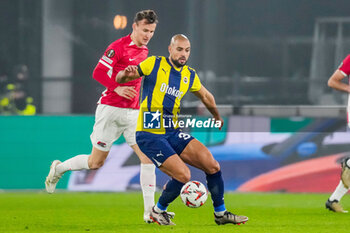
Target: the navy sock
pixel 216 188
pixel 169 194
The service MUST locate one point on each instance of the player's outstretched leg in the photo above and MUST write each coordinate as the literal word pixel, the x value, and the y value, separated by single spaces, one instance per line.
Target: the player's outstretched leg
pixel 57 169
pixel 221 215
pixel 197 155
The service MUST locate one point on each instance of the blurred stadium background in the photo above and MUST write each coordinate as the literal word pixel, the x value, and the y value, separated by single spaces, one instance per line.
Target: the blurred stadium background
pixel 266 61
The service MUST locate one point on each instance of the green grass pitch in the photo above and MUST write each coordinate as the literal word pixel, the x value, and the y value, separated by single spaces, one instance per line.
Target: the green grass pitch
pixel 122 212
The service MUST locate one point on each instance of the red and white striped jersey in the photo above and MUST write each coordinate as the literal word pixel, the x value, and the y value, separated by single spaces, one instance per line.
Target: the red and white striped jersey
pixel 345 66
pixel 120 54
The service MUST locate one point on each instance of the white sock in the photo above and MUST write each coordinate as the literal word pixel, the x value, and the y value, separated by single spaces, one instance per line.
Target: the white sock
pixel 76 163
pixel 219 213
pixel 156 208
pixel 148 185
pixel 339 192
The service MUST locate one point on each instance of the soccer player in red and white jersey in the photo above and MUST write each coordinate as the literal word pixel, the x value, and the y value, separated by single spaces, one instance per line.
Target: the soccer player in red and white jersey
pixel 335 82
pixel 117 109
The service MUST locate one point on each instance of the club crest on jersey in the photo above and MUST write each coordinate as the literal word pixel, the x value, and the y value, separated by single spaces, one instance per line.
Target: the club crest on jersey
pixel 110 53
pixel 185 80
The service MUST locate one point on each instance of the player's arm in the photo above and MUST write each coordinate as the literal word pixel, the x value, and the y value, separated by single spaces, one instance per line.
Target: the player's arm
pixel 128 74
pixel 134 72
pixel 209 101
pixel 102 75
pixel 335 81
pixel 104 69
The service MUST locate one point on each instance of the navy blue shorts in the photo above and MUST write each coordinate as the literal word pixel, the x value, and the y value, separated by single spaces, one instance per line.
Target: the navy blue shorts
pixel 159 147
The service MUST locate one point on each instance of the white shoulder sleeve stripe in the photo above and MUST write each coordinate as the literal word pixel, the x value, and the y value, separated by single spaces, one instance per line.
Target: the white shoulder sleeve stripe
pixel 105 63
pixel 106 59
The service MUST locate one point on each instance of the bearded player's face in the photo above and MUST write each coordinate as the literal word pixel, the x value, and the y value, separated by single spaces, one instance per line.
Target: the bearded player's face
pixel 143 32
pixel 179 52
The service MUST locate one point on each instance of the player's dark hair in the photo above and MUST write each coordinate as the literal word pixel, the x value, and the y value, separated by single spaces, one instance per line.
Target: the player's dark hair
pixel 149 15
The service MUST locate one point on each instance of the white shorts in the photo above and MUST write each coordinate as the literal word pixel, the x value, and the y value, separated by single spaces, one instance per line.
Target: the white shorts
pixel 110 123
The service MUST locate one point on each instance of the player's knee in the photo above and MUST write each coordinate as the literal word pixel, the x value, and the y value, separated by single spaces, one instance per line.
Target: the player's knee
pixel 93 165
pixel 185 175
pixel 184 178
pixel 213 168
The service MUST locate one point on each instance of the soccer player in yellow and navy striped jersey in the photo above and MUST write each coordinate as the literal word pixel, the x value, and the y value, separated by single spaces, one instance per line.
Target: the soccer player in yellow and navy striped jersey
pixel 166 81
pixel 164 86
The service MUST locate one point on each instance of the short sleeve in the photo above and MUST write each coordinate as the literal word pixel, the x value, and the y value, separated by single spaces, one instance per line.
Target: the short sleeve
pixel 196 85
pixel 345 66
pixel 145 68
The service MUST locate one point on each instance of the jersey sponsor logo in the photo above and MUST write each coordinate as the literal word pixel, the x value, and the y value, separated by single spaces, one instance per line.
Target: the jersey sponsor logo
pixel 131 59
pixel 106 59
pixel 110 53
pixel 171 90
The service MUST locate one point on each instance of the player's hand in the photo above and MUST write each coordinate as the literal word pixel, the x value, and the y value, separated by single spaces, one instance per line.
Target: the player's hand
pixel 127 92
pixel 128 74
pixel 131 71
pixel 221 121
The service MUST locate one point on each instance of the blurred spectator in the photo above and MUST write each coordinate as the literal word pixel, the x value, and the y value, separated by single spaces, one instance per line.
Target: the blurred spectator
pixel 14 96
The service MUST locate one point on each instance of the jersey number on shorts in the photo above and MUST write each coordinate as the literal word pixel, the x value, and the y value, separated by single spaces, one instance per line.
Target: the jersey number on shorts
pixel 185 136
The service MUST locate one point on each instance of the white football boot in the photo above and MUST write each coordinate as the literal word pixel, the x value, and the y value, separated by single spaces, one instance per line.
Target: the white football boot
pixel 335 206
pixel 52 178
pixel 229 217
pixel 147 217
pixel 163 218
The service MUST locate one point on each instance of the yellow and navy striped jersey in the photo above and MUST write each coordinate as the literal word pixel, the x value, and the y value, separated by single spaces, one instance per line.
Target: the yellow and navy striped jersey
pixel 163 88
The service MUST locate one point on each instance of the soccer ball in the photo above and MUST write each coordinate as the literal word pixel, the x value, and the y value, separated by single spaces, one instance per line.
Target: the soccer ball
pixel 194 194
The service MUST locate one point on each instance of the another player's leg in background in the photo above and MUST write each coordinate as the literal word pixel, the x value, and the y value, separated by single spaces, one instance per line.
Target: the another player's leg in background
pixel 342 188
pixel 147 168
pixel 147 182
pixel 197 155
pixel 76 163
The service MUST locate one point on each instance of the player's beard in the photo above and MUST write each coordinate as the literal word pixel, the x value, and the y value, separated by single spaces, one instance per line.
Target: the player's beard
pixel 177 63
